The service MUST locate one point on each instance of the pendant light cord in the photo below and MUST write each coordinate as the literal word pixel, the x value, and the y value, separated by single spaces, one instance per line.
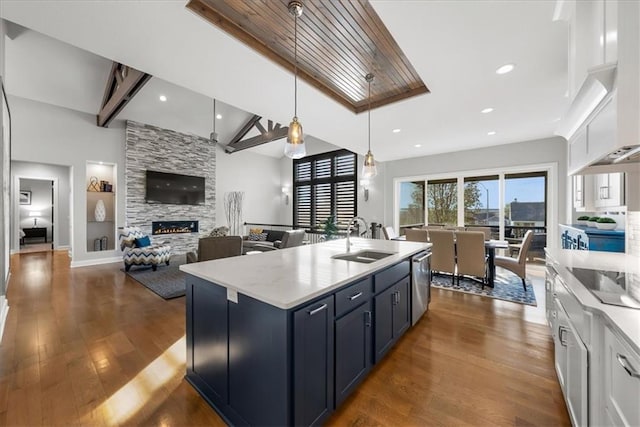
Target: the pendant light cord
pixel 295 66
pixel 214 115
pixel 369 113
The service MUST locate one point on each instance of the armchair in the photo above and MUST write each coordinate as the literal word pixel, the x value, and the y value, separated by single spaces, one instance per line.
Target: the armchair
pixel 216 247
pixel 152 254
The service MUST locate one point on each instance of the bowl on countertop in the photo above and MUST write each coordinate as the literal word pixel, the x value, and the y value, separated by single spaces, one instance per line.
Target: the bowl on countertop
pixel 592 224
pixel 581 221
pixel 606 225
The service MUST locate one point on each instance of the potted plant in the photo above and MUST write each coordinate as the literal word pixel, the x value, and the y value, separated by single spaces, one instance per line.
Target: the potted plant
pixel 606 223
pixel 583 219
pixel 330 228
pixel 591 222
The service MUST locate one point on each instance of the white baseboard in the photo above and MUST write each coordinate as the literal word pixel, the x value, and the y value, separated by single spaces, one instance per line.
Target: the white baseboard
pixel 62 248
pixel 14 251
pixel 4 311
pixel 97 261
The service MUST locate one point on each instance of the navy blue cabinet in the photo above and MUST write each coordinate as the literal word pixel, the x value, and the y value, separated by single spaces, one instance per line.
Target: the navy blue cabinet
pixel 257 364
pixel 392 316
pixel 313 370
pixel 353 349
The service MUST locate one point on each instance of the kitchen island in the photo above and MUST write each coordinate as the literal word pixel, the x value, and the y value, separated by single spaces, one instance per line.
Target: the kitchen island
pixel 283 337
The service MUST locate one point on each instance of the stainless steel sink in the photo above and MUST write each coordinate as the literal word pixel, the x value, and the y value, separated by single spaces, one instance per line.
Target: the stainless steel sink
pixel 365 257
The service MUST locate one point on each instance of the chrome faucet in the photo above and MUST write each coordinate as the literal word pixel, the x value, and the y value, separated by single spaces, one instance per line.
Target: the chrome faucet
pixel 349 224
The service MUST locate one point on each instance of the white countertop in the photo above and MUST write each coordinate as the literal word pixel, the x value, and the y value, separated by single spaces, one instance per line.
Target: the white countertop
pixel 286 278
pixel 625 320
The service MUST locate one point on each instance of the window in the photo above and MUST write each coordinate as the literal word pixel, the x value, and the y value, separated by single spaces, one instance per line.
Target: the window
pixel 442 202
pixel 481 201
pixel 411 204
pixel 324 185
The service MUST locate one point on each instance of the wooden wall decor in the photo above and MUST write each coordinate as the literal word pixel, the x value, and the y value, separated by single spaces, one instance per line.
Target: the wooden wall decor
pixel 272 133
pixel 339 43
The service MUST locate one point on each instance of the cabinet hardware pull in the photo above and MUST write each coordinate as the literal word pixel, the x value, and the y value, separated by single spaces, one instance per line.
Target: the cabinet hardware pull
pixel 358 295
pixel 317 310
pixel 561 331
pixel 367 318
pixel 627 366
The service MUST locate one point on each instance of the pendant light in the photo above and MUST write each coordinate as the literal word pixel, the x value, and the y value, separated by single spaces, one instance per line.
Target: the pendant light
pixel 214 135
pixel 369 169
pixel 294 147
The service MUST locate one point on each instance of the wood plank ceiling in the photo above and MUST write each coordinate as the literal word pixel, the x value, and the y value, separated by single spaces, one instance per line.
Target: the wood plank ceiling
pixel 339 42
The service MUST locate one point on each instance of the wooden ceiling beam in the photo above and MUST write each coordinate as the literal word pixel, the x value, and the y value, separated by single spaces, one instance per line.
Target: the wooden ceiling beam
pixel 122 85
pixel 272 133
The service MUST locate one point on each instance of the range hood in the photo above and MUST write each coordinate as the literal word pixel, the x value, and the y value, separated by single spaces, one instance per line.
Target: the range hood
pixel 594 92
pixel 621 156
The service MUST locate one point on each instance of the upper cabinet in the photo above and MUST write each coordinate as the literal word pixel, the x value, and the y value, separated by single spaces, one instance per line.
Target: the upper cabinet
pixel 602 123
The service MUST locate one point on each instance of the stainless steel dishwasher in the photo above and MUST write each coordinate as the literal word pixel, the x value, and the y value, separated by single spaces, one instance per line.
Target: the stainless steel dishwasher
pixel 420 284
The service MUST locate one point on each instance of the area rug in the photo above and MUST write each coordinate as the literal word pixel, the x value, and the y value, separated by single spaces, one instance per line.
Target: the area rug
pixel 508 287
pixel 167 281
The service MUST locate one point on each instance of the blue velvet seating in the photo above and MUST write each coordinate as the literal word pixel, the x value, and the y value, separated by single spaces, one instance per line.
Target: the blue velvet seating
pixel 152 255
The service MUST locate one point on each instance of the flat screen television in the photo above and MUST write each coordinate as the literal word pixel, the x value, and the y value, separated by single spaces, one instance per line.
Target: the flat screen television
pixel 175 189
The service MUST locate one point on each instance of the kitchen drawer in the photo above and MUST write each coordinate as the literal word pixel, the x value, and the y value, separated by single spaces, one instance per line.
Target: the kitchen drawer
pixel 352 296
pixel 391 275
pixel 572 306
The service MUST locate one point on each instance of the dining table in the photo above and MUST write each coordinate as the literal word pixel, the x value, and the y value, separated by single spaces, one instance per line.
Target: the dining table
pixel 490 246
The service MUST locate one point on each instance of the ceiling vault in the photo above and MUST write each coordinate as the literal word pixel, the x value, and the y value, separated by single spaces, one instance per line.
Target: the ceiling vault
pixel 122 85
pixel 271 133
pixel 339 43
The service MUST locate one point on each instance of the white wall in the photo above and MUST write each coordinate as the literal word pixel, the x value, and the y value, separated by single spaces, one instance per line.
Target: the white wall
pixel 44 133
pixel 4 198
pixel 258 177
pixel 62 199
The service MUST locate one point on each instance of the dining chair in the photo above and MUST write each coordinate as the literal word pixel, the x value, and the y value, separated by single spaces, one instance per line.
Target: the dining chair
pixel 471 257
pixel 416 235
pixel 485 230
pixel 517 265
pixel 389 232
pixel 443 252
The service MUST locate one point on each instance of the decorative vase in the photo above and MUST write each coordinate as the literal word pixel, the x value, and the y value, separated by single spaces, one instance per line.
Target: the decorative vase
pixel 606 225
pixel 101 212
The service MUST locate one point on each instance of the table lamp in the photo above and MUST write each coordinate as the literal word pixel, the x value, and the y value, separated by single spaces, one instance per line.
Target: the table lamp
pixel 35 215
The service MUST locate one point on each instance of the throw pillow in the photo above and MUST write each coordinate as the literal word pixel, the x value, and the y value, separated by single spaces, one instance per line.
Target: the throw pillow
pixel 128 243
pixel 255 230
pixel 257 237
pixel 219 232
pixel 143 242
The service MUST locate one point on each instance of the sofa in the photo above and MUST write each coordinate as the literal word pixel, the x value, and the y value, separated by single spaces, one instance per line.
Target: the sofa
pixel 259 238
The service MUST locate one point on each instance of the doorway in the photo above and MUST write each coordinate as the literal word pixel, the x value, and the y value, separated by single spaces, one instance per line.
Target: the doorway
pixel 35 215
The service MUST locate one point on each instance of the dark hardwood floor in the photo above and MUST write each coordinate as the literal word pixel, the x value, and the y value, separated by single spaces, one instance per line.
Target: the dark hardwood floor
pixel 91 346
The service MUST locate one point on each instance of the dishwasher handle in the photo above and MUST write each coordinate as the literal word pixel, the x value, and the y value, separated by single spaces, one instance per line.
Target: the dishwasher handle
pixel 427 255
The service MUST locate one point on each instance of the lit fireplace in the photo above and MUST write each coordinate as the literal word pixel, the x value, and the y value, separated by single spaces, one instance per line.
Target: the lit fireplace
pixel 174 227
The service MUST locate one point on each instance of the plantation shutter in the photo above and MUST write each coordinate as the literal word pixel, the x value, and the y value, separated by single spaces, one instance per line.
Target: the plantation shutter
pixel 324 186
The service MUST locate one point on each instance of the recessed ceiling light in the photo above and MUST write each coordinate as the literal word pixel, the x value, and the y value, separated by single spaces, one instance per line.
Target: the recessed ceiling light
pixel 163 98
pixel 418 145
pixel 506 68
pixel 493 132
pixel 219 116
pixel 396 130
pixel 487 110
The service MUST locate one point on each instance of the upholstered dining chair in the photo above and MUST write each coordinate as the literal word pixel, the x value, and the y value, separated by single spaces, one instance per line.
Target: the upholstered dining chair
pixel 215 248
pixel 416 235
pixel 485 230
pixel 471 257
pixel 518 265
pixel 138 249
pixel 389 232
pixel 443 252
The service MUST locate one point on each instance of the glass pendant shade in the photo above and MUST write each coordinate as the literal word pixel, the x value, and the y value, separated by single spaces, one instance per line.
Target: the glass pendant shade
pixel 369 169
pixel 295 147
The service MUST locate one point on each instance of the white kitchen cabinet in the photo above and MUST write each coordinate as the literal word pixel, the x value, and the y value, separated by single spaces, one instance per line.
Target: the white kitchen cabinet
pixel 609 190
pixel 578 192
pixel 571 363
pixel 621 382
pixel 587 39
